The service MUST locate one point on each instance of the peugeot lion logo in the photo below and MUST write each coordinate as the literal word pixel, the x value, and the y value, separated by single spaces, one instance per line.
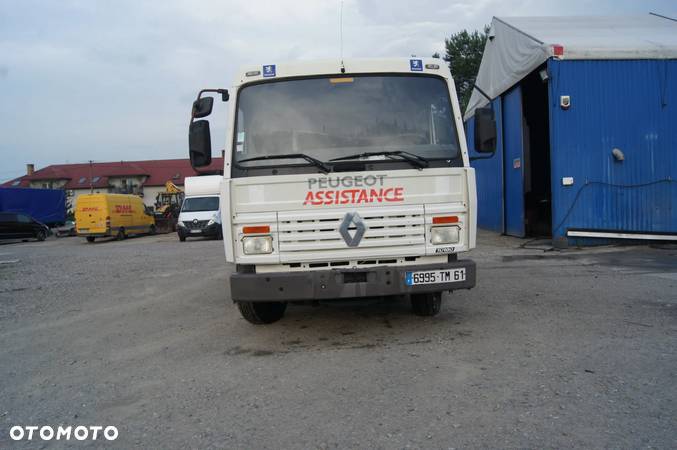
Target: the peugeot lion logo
pixel 352 219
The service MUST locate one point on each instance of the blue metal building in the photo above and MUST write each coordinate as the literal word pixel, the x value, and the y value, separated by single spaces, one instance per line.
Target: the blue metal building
pixel 586 112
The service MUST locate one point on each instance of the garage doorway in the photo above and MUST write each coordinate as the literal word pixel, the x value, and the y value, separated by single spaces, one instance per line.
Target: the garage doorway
pixel 536 142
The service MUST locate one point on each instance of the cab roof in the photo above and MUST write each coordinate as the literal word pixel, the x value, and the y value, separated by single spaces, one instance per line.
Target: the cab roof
pixel 272 70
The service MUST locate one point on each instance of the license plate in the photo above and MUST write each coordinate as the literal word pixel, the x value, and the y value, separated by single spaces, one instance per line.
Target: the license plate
pixel 435 276
pixel 195 231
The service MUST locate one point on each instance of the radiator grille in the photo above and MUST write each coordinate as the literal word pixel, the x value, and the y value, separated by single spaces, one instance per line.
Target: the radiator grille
pixel 385 227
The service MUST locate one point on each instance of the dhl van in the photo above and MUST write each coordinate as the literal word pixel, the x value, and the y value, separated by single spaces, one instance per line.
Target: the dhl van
pixel 119 215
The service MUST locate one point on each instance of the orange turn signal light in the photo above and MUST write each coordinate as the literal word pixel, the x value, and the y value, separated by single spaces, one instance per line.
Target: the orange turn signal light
pixel 261 229
pixel 445 219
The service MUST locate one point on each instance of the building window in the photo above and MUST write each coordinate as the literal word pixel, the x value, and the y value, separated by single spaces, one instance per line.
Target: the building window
pixel 82 180
pixel 16 183
pixel 95 179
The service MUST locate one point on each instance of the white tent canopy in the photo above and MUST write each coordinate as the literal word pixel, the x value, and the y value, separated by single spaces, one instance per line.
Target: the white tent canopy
pixel 518 45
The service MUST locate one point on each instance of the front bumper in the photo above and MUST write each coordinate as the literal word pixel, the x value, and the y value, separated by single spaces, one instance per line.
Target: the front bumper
pixel 341 283
pixel 209 230
pixel 87 232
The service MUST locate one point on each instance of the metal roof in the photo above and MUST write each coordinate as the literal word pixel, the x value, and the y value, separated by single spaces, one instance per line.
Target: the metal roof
pixel 158 172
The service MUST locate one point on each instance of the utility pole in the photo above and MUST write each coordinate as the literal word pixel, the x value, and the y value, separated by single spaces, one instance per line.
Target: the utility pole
pixel 91 183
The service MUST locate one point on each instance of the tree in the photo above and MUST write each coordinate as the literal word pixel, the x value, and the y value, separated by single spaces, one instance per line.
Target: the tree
pixel 463 53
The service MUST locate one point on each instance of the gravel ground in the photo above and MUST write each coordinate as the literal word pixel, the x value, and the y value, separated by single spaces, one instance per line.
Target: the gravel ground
pixel 551 349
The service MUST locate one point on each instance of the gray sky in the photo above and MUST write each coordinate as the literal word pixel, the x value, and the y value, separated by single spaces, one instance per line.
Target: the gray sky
pixel 114 80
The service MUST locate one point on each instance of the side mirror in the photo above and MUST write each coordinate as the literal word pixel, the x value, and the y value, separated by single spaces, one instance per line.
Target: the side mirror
pixel 202 107
pixel 200 144
pixel 485 130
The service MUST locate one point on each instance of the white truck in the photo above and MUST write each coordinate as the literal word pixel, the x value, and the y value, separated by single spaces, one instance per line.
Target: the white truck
pixel 344 179
pixel 200 212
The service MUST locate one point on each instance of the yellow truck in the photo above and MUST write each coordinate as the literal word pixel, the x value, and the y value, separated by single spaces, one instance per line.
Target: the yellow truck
pixel 119 215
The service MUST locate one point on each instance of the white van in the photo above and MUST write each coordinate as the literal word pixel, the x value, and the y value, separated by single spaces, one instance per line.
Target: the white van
pixel 201 212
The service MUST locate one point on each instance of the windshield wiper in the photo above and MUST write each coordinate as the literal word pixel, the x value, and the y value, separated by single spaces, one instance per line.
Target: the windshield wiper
pixel 316 162
pixel 415 160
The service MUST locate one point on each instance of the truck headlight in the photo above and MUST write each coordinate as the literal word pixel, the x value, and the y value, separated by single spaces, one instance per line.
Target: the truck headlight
pixel 444 235
pixel 181 224
pixel 257 245
pixel 211 222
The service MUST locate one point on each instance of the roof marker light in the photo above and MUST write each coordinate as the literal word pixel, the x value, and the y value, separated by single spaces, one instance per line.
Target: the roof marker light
pixel 432 66
pixel 341 80
pixel 558 50
pixel 253 73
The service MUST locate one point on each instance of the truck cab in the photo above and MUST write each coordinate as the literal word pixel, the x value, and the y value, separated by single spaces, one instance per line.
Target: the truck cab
pixel 344 179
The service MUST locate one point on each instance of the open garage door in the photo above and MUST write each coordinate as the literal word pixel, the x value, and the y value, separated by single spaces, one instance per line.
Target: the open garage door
pixel 513 168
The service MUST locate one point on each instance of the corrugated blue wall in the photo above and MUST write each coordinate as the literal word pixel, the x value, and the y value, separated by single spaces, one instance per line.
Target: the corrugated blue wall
pixel 489 174
pixel 630 105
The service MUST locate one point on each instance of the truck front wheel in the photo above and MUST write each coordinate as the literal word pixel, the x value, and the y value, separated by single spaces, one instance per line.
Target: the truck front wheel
pixel 260 313
pixel 426 304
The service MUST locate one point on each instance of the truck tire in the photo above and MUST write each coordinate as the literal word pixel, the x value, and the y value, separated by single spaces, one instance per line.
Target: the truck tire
pixel 219 235
pixel 121 236
pixel 90 238
pixel 426 304
pixel 152 230
pixel 260 313
pixel 182 238
pixel 41 235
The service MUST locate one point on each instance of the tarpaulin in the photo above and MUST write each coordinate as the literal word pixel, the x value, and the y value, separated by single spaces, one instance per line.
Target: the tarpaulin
pixel 45 205
pixel 518 45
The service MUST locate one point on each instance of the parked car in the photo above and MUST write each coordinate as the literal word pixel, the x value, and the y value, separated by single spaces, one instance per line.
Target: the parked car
pixel 21 226
pixel 67 229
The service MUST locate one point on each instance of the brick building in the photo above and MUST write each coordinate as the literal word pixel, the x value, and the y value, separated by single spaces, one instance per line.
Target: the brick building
pixel 143 178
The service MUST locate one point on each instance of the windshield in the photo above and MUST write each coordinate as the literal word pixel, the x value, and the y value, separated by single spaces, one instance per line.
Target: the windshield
pixel 334 117
pixel 194 204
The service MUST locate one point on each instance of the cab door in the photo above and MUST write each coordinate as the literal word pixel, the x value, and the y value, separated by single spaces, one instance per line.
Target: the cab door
pixel 24 225
pixel 140 217
pixel 8 225
pixel 148 218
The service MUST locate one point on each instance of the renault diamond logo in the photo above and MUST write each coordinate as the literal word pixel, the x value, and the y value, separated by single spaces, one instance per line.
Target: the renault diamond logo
pixel 350 220
pixel 195 221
